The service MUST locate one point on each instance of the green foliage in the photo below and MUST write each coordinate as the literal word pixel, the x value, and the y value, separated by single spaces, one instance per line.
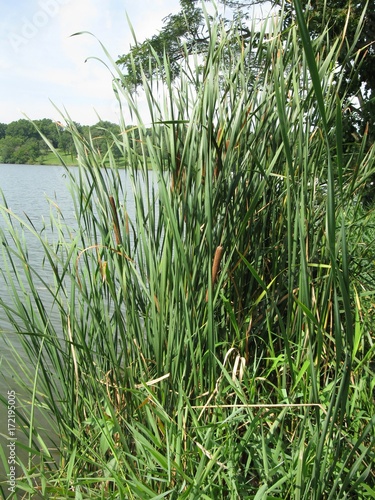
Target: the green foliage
pixel 186 27
pixel 356 57
pixel 3 128
pixel 22 128
pixel 17 150
pixel 20 141
pixel 103 135
pixel 352 23
pixel 66 143
pixel 218 343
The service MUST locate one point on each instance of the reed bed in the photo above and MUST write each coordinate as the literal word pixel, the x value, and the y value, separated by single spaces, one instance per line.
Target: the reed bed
pixel 219 344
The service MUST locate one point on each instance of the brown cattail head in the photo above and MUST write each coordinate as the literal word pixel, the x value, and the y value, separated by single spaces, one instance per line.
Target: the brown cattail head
pixel 216 266
pixel 216 263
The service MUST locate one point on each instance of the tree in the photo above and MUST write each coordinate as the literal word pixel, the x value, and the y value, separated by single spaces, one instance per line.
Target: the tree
pixel 185 33
pixel 185 27
pixel 3 128
pixel 22 143
pixel 66 142
pixel 22 128
pixel 358 72
pixel 103 135
pixel 50 129
pixel 18 150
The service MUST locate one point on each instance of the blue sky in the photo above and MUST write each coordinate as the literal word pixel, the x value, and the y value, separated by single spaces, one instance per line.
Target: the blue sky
pixel 40 62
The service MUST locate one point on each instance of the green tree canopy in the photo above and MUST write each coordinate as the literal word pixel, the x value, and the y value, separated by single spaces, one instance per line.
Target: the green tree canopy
pixel 103 135
pixel 187 26
pixel 3 128
pixel 185 33
pixel 22 128
pixel 18 150
pixel 21 141
pixel 355 20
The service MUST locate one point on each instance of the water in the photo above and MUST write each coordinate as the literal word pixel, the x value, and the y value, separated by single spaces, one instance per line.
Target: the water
pixel 29 191
pixel 26 189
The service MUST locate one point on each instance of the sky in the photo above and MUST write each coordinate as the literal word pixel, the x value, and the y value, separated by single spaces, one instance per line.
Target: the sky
pixel 42 67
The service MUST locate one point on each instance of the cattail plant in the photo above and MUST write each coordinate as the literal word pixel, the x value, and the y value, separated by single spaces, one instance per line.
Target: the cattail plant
pixel 216 343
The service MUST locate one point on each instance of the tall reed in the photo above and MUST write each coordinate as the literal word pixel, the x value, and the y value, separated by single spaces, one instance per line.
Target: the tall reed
pixel 216 344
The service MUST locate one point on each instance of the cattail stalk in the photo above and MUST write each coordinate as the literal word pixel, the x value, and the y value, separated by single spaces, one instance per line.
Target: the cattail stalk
pixel 116 224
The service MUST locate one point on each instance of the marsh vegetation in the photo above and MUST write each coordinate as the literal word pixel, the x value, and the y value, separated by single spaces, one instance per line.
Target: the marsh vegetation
pixel 220 343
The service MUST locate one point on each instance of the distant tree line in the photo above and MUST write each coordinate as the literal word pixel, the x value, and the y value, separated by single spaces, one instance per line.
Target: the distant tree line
pixel 21 141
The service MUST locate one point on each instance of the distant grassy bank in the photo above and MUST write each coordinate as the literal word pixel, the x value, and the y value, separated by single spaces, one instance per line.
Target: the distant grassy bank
pixel 49 158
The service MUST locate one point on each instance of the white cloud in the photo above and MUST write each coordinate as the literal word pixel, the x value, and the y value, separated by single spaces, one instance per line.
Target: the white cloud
pixel 41 61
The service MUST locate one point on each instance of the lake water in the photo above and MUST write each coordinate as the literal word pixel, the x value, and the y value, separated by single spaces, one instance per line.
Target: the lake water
pixel 31 192
pixel 27 189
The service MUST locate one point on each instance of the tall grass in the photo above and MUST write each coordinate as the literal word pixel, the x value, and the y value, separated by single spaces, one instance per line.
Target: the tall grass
pixel 219 344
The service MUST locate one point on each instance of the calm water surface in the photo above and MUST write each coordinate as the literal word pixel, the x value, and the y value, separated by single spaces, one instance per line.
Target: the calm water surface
pixel 31 193
pixel 27 189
